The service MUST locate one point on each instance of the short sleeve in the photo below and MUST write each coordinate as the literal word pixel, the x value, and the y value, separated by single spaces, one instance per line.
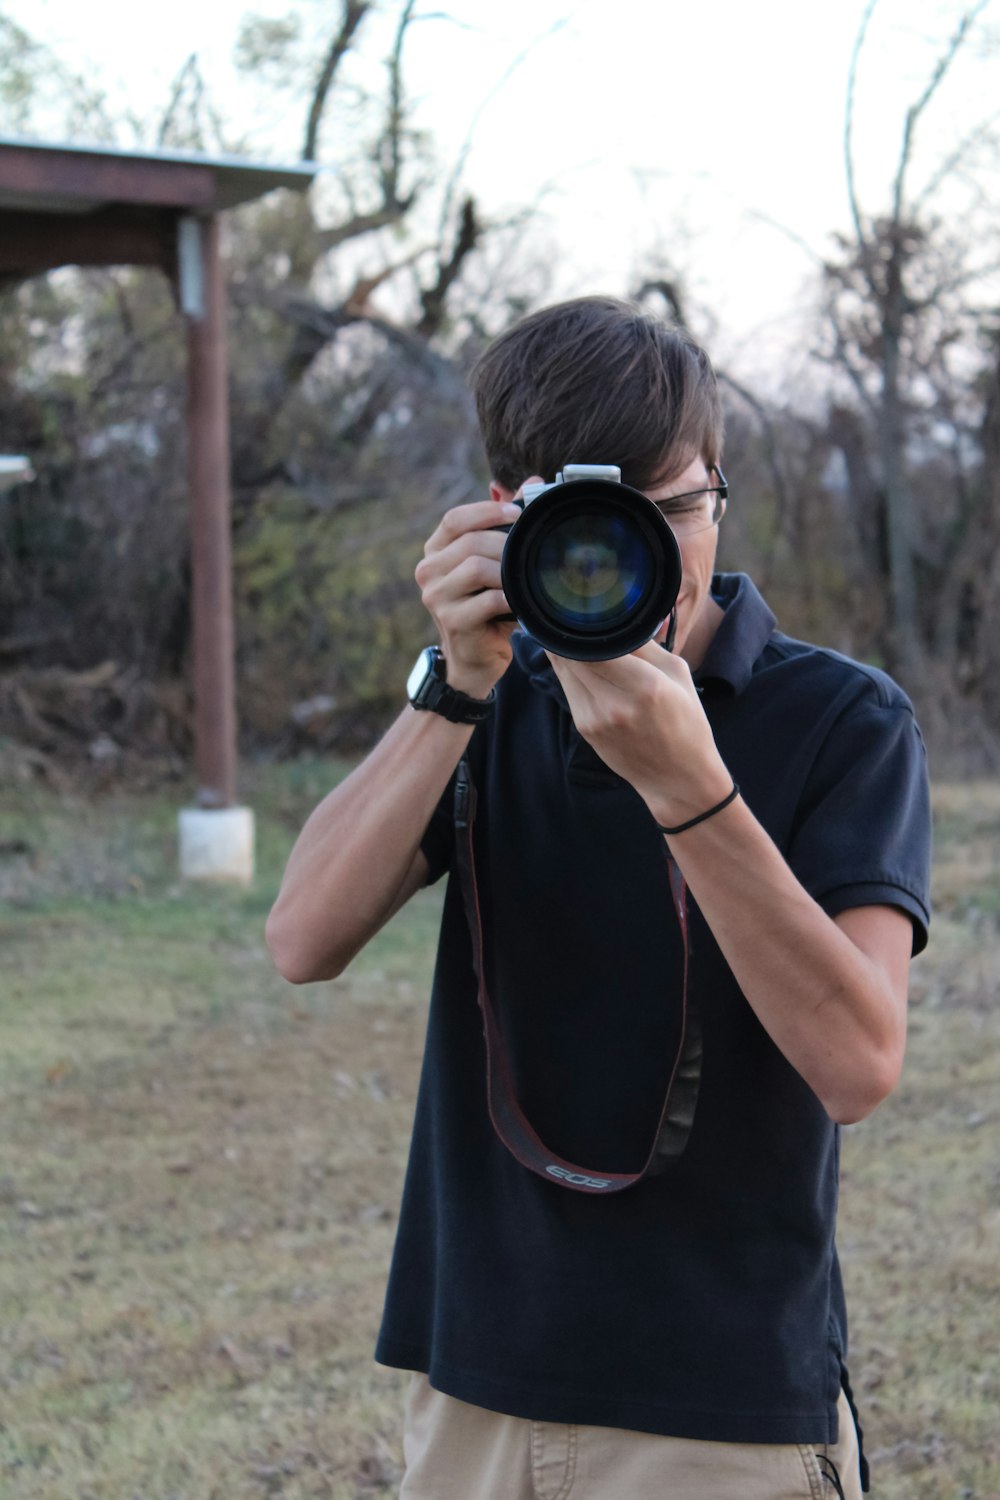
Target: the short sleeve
pixel 863 833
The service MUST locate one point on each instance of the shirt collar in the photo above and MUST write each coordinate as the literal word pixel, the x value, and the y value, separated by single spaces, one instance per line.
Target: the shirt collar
pixel 744 631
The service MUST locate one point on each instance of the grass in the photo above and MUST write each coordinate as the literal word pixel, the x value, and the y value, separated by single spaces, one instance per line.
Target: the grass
pixel 201 1168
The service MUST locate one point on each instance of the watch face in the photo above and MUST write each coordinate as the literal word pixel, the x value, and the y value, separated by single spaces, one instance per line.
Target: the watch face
pixel 423 668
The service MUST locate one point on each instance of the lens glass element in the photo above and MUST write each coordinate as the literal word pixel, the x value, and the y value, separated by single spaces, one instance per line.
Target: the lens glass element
pixel 591 567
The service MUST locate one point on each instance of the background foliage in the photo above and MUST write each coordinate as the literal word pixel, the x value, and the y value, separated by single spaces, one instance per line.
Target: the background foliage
pixel 867 505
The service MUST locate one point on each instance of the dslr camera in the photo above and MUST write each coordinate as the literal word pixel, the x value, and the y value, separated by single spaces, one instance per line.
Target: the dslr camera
pixel 590 568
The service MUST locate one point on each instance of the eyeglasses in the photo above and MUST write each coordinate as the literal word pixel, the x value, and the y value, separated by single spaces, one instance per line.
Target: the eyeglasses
pixel 696 510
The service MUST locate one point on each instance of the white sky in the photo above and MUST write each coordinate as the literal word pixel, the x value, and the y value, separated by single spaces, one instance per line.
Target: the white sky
pixel 692 128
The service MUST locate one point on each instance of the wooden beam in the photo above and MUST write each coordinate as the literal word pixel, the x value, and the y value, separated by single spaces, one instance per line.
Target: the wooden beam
pixel 79 176
pixel 31 242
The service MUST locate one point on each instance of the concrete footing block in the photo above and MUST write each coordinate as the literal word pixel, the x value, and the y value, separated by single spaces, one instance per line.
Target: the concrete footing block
pixel 217 844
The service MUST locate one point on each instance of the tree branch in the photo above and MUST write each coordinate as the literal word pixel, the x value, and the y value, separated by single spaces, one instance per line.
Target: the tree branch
pixel 379 218
pixel 455 175
pixel 358 300
pixel 841 357
pixel 916 110
pixel 391 143
pixel 790 234
pixel 316 326
pixel 852 191
pixel 174 101
pixel 434 299
pixel 952 162
pixel 393 208
pixel 760 411
pixel 354 13
pixel 670 292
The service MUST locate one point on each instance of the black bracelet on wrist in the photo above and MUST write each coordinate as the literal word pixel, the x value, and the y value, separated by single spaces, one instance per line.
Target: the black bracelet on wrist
pixel 692 822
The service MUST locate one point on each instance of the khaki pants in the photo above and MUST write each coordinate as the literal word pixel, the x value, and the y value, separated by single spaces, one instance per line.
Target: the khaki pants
pixel 458 1452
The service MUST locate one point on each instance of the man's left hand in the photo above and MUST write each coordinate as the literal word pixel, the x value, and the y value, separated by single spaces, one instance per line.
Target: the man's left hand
pixel 642 715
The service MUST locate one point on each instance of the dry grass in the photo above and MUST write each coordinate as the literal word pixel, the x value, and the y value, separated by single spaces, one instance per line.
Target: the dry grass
pixel 201 1169
pixel 920 1215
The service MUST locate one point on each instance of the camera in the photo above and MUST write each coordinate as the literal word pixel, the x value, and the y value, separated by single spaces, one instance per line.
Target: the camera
pixel 590 568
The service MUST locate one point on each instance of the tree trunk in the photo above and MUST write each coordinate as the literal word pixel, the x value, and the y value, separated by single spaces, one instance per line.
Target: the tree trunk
pixel 904 639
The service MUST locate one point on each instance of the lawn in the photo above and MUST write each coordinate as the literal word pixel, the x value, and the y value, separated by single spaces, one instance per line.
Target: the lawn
pixel 201 1167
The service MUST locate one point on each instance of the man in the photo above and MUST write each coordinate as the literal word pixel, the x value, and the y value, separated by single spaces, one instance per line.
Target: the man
pixel 686 1335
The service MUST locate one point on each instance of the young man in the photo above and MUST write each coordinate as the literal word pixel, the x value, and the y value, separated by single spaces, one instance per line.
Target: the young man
pixel 574 1332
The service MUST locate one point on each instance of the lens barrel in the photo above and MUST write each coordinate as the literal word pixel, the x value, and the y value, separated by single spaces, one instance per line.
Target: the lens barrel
pixel 591 569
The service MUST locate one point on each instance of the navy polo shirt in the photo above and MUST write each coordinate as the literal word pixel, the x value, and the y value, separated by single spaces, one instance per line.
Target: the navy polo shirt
pixel 705 1302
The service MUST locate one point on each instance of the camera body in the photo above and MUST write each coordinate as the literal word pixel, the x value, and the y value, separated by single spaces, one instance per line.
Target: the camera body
pixel 590 568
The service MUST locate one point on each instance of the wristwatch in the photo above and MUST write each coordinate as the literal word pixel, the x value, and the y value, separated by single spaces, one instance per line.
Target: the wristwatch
pixel 426 687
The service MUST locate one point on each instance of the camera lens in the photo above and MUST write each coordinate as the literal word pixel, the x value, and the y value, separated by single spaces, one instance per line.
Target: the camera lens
pixel 591 569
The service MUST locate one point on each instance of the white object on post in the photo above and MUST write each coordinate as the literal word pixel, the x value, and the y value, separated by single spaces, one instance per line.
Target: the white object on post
pixel 217 843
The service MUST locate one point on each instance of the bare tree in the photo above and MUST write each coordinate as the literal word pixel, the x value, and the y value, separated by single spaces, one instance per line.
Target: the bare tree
pixel 382 196
pixel 347 391
pixel 901 303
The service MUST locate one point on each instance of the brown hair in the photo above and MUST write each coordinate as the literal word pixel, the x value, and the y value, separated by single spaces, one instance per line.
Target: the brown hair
pixel 596 380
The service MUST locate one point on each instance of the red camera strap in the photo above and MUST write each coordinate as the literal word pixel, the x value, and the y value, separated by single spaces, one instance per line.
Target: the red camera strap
pixel 509 1121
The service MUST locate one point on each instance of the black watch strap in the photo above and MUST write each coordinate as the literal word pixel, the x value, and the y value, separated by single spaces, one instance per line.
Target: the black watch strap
pixel 431 691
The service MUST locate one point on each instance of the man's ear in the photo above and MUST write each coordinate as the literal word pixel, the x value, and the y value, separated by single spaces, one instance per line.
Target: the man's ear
pixel 500 491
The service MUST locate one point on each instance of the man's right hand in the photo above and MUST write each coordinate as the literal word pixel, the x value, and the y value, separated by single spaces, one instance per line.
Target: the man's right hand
pixel 459 578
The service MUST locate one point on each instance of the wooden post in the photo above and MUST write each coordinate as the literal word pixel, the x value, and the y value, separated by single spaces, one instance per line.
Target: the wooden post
pixel 203 300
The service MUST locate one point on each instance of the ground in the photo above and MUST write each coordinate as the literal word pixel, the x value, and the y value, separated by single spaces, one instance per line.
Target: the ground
pixel 201 1169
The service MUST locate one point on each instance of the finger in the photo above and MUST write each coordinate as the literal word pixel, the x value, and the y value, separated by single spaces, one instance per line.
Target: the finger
pixel 476 610
pixel 671 665
pixel 471 612
pixel 574 682
pixel 466 567
pixel 628 672
pixel 479 516
pixel 622 677
pixel 472 575
pixel 488 543
pixel 619 672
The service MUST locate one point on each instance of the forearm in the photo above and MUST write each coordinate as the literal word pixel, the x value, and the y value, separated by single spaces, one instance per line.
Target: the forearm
pixel 357 850
pixel 834 1013
pixel 357 858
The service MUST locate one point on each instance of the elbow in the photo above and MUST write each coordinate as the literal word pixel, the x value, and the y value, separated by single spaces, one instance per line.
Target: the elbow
pixel 290 955
pixel 852 1111
pixel 860 1096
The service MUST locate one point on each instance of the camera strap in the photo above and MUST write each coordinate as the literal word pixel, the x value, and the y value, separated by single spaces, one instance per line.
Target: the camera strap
pixel 508 1119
